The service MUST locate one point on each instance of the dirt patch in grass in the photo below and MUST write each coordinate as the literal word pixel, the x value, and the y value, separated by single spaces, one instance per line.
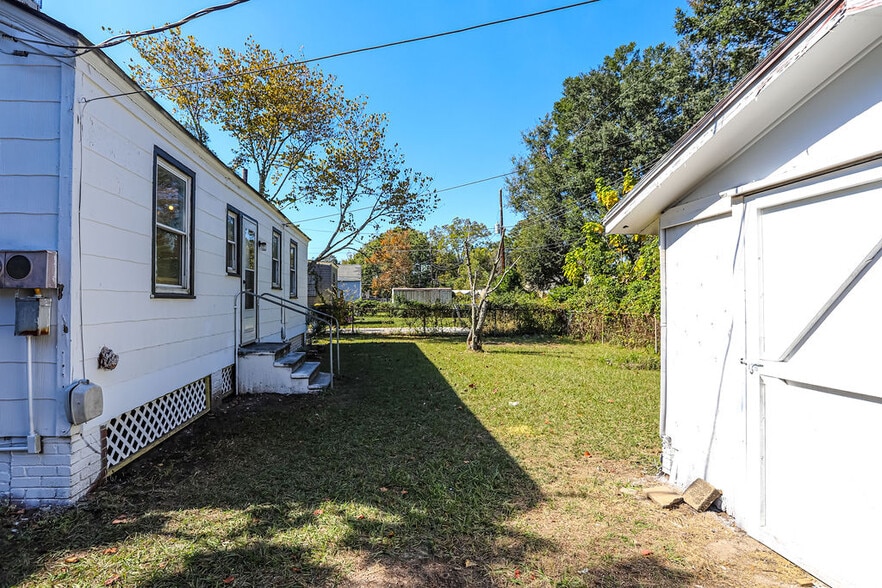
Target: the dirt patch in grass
pixel 425 466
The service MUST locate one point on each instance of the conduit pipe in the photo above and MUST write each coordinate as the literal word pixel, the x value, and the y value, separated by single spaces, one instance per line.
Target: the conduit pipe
pixel 31 432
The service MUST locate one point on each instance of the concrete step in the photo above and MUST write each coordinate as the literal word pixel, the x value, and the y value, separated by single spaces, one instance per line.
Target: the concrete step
pixel 292 360
pixel 320 383
pixel 277 349
pixel 305 371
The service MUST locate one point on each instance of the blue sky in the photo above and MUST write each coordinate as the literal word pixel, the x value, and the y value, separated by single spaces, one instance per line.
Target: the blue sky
pixel 457 106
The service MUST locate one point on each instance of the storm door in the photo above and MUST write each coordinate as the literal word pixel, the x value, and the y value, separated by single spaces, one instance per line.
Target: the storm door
pixel 249 280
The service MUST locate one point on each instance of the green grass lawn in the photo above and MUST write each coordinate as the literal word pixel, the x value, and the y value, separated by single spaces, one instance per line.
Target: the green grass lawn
pixel 426 465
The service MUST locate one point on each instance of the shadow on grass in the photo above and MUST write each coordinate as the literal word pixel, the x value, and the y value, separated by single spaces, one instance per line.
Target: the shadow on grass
pixel 390 469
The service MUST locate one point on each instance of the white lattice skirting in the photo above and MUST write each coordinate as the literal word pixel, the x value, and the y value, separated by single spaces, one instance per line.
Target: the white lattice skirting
pixel 135 432
pixel 226 383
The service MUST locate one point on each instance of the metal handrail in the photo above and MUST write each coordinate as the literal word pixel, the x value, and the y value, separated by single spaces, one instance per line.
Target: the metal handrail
pixel 287 304
pixel 330 320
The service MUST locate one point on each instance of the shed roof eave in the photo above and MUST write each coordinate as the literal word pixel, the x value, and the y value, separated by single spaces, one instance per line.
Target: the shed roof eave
pixel 775 86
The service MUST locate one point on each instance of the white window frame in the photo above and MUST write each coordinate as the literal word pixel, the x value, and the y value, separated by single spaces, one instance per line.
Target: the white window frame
pixel 276 257
pixel 233 247
pixel 292 269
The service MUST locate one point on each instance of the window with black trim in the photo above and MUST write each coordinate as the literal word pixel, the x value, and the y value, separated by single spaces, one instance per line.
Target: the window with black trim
pixel 276 248
pixel 174 188
pixel 234 237
pixel 292 269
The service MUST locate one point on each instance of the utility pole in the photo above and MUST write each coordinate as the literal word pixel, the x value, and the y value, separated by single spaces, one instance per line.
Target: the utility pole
pixel 501 230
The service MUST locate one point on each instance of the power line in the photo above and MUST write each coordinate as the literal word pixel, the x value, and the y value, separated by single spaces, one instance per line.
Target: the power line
pixel 457 187
pixel 122 38
pixel 476 182
pixel 345 53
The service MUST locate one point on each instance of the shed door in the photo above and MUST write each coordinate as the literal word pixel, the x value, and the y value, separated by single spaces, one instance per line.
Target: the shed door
pixel 249 280
pixel 814 361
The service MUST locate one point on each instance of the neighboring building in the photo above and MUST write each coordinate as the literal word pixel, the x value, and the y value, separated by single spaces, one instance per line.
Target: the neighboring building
pixel 768 214
pixel 349 281
pixel 322 282
pixel 124 246
pixel 423 295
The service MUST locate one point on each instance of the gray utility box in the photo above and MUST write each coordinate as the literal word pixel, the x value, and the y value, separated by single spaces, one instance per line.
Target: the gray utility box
pixel 28 269
pixel 85 401
pixel 32 315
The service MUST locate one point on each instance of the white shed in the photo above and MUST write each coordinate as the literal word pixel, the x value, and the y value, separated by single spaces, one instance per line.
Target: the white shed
pixel 768 213
pixel 141 241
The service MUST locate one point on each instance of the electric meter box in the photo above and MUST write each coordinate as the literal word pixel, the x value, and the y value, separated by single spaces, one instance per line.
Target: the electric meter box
pixel 32 315
pixel 85 401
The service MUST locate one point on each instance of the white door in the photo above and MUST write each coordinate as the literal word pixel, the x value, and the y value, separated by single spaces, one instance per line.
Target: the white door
pixel 249 280
pixel 813 291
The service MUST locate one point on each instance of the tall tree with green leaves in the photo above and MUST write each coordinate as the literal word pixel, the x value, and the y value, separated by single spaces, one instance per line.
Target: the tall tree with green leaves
pixel 622 115
pixel 727 38
pixel 625 114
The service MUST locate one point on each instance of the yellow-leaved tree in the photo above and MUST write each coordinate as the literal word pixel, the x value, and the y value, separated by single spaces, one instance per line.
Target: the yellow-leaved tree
pixel 293 126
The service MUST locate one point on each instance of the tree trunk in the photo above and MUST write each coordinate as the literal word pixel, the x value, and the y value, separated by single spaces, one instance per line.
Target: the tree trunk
pixel 475 339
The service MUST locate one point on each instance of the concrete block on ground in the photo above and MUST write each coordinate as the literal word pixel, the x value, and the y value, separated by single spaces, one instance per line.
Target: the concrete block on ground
pixel 700 495
pixel 663 496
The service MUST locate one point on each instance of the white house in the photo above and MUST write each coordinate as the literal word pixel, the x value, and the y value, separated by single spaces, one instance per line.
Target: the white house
pixel 768 213
pixel 124 246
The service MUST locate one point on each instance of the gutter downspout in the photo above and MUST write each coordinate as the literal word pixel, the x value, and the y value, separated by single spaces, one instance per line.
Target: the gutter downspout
pixel 663 330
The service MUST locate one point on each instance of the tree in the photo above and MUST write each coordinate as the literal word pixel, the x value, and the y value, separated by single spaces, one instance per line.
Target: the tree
pixel 173 58
pixel 617 273
pixel 448 243
pixel 626 114
pixel 727 38
pixel 622 115
pixel 363 179
pixel 479 298
pixel 278 114
pixel 398 257
pixel 292 124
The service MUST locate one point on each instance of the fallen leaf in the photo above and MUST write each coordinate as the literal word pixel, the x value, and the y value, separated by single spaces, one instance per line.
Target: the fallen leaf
pixel 359 517
pixel 229 579
pixel 610 400
pixel 517 574
pixel 403 492
pixel 111 580
pixel 390 534
pixel 120 520
pixel 587 454
pixel 318 512
pixel 71 559
pixel 110 550
pixel 469 563
pixel 384 489
pixel 645 552
pixel 295 569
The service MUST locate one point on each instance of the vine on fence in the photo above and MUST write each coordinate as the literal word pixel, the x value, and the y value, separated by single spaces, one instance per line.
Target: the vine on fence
pixel 522 319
